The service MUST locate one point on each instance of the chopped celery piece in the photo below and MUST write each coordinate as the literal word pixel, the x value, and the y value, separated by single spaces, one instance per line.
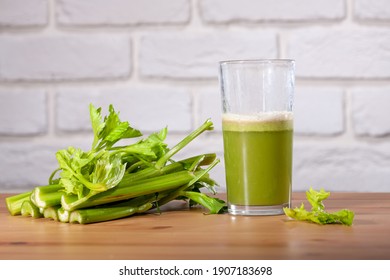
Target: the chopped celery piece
pixel 45 196
pixel 14 203
pixel 29 209
pixel 51 212
pixel 63 215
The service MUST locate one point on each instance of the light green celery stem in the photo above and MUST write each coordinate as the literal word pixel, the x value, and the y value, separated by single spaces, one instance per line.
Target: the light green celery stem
pixel 63 215
pixel 213 204
pixel 204 175
pixel 207 125
pixel 134 166
pixel 14 203
pixel 207 159
pixel 32 198
pixel 51 178
pixel 149 173
pixel 51 212
pixel 173 167
pixel 108 213
pixel 46 196
pixel 143 187
pixel 30 210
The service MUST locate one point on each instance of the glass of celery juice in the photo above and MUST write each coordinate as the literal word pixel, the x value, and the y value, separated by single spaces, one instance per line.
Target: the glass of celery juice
pixel 257 125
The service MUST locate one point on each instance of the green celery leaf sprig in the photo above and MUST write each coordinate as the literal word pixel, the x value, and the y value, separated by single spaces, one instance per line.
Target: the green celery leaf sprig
pixel 103 167
pixel 109 130
pixel 318 214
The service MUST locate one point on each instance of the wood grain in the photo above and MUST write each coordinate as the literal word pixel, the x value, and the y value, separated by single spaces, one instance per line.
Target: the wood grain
pixel 180 233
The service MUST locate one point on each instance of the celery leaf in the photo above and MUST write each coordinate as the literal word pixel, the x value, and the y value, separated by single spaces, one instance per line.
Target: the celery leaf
pixel 318 214
pixel 111 129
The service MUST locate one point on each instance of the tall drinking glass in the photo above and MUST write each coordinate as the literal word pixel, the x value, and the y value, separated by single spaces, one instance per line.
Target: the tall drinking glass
pixel 257 125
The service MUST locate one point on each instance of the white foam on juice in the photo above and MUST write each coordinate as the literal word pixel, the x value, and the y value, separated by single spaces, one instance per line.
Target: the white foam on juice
pixel 267 121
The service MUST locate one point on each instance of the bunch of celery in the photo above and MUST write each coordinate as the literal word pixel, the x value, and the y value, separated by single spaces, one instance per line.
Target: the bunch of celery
pixel 111 181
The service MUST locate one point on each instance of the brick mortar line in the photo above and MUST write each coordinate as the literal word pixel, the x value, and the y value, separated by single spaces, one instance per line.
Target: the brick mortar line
pixel 135 55
pixel 136 79
pixel 195 21
pixel 52 15
pixel 55 29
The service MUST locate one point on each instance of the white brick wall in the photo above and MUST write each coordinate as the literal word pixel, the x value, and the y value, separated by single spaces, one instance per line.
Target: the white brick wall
pixel 209 106
pixel 157 63
pixel 372 10
pixel 223 11
pixel 341 53
pixel 23 112
pixel 148 109
pixel 195 55
pixel 23 13
pixel 49 58
pixel 122 12
pixel 25 163
pixel 370 111
pixel 347 167
pixel 319 111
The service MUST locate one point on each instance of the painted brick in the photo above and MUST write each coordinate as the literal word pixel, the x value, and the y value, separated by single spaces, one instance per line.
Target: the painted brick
pixel 52 58
pixel 23 112
pixel 196 55
pixel 370 111
pixel 226 11
pixel 372 10
pixel 346 167
pixel 209 106
pixel 122 12
pixel 148 109
pixel 341 53
pixel 23 13
pixel 318 111
pixel 28 164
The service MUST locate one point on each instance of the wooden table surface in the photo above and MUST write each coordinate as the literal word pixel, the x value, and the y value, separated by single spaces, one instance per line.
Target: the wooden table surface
pixel 179 233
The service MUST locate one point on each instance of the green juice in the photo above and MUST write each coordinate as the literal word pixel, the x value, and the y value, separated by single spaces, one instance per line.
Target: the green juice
pixel 258 159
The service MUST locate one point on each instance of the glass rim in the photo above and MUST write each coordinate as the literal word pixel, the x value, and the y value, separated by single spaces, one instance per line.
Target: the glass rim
pixel 258 61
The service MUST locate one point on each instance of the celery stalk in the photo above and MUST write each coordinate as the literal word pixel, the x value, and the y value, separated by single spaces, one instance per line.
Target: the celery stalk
pixel 170 168
pixel 101 214
pixel 30 210
pixel 207 125
pixel 14 203
pixel 51 213
pixel 177 192
pixel 46 196
pixel 139 188
pixel 63 215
